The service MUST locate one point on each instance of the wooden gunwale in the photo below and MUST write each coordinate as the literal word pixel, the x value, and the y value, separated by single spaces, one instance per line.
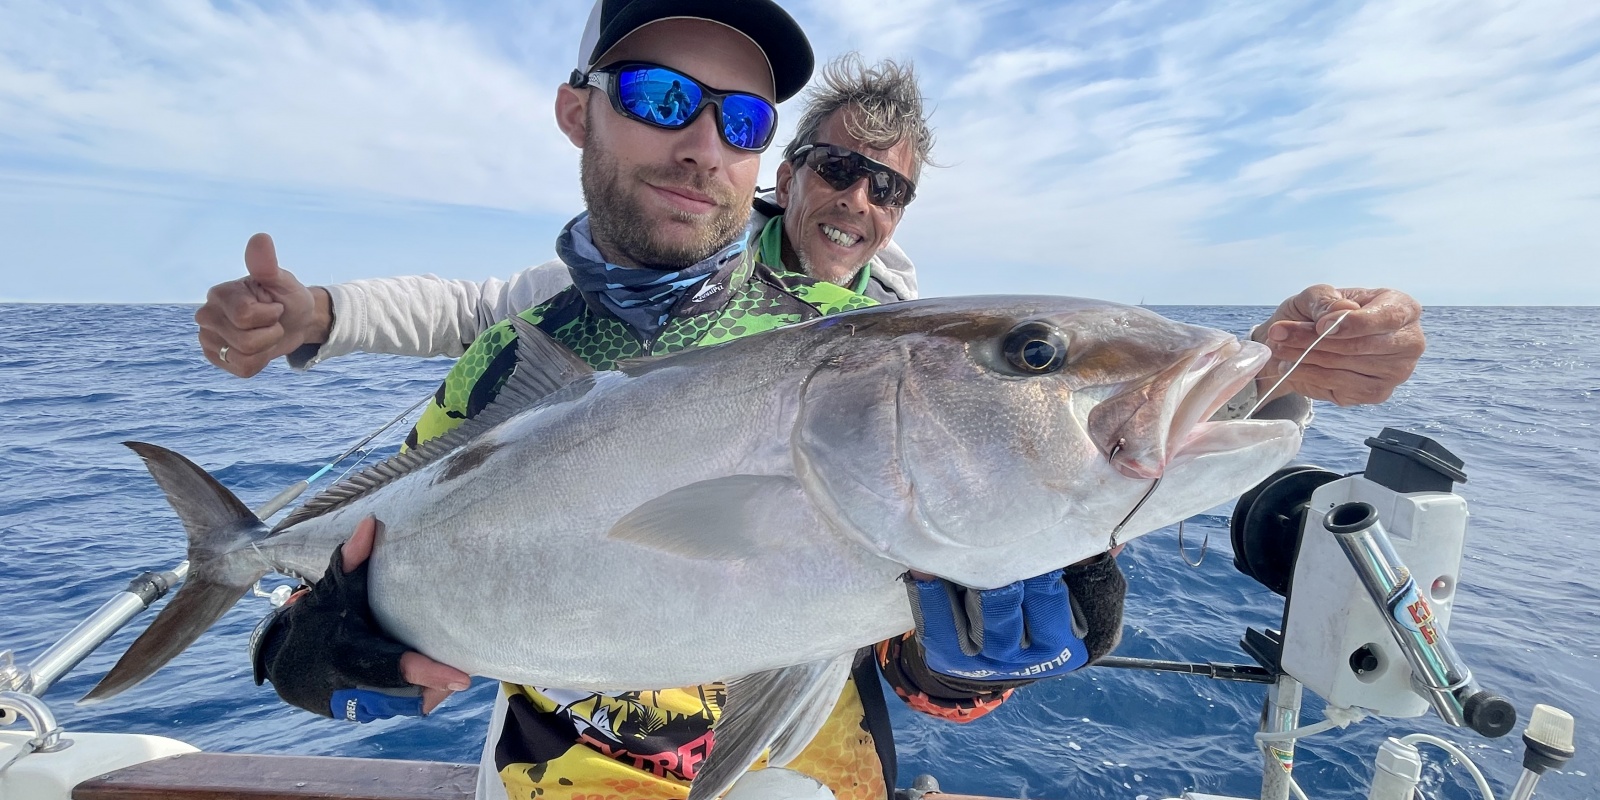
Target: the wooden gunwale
pixel 238 776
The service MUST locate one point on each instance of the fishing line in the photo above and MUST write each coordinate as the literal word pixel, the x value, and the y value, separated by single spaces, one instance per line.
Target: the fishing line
pixel 288 495
pixel 353 467
pixel 368 451
pixel 293 491
pixel 1331 328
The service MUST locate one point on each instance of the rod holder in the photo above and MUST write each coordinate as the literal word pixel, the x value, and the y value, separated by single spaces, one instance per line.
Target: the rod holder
pixel 1437 672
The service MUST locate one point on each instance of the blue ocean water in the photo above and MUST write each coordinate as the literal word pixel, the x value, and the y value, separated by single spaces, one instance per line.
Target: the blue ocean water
pixel 1514 391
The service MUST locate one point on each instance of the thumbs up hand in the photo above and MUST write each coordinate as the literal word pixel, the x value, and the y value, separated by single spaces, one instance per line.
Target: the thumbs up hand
pixel 246 323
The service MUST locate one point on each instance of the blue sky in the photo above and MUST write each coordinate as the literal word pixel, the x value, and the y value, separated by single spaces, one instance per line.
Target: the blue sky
pixel 1170 151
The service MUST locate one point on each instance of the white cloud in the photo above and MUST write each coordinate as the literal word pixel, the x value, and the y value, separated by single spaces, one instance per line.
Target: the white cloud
pixel 953 27
pixel 1001 72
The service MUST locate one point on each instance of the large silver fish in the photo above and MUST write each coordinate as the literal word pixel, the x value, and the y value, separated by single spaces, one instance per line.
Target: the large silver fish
pixel 743 512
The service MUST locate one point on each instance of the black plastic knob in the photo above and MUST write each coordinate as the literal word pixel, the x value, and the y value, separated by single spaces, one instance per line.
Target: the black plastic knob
pixel 1490 714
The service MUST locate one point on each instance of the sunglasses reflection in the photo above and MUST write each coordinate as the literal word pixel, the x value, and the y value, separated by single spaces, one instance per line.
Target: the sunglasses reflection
pixel 669 99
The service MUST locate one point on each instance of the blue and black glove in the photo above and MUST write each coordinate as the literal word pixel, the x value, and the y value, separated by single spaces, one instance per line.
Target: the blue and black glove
pixel 324 652
pixel 985 640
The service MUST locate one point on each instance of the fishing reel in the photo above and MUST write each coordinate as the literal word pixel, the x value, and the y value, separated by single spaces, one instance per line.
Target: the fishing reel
pixel 1368 565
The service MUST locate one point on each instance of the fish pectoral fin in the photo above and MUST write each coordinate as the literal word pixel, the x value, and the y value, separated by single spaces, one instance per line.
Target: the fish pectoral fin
pixel 729 519
pixel 780 708
pixel 774 783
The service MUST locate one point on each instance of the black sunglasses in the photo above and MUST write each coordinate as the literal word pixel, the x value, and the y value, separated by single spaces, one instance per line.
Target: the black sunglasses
pixel 666 98
pixel 841 167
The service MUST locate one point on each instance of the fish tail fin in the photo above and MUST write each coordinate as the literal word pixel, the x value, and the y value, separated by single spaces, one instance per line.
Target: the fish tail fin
pixel 222 567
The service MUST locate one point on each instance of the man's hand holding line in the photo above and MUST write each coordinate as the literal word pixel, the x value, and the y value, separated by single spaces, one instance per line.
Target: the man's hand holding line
pixel 1374 350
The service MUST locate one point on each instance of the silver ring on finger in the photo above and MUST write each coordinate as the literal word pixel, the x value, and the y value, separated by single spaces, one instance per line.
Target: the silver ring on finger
pixel 222 354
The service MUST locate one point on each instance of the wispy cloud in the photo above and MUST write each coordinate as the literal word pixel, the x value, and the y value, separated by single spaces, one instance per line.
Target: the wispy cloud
pixel 345 97
pixel 1449 147
pixel 951 27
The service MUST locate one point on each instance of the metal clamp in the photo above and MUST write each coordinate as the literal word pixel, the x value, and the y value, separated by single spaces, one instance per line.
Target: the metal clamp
pixel 922 786
pixel 12 677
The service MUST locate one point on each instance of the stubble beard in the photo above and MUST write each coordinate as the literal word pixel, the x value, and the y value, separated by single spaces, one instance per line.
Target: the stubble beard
pixel 617 219
pixel 841 278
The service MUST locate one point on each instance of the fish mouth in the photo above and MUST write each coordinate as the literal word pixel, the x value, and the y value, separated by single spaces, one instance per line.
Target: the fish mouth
pixel 1144 445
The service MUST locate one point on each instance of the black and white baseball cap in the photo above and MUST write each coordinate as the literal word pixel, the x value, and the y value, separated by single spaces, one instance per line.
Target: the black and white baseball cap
pixel 770 27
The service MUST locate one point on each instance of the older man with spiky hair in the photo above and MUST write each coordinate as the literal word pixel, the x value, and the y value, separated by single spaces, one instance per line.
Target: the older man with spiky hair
pixel 861 122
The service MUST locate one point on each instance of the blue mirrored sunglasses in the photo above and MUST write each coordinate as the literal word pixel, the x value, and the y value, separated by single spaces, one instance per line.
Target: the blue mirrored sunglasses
pixel 666 98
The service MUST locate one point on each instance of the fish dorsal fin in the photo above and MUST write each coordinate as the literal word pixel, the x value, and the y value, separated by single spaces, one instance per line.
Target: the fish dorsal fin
pixel 639 363
pixel 764 709
pixel 543 365
pixel 723 519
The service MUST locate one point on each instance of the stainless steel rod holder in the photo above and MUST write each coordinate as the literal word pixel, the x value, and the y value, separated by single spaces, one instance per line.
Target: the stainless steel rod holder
pixel 1436 669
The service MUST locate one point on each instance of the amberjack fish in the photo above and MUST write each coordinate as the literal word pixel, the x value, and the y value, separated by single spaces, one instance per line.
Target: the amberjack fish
pixel 744 512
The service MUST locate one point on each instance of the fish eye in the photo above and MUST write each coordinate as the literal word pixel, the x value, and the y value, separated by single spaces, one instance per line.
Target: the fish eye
pixel 1035 348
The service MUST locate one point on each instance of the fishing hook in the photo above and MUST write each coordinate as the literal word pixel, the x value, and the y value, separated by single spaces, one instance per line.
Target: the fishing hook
pixel 1136 507
pixel 1115 449
pixel 1184 555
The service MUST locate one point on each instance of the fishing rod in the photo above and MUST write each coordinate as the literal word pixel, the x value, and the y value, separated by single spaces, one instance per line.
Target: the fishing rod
pixel 1245 673
pixel 145 590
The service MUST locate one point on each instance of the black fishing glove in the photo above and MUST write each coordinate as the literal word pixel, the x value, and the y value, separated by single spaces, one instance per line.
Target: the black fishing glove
pixel 987 640
pixel 324 652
